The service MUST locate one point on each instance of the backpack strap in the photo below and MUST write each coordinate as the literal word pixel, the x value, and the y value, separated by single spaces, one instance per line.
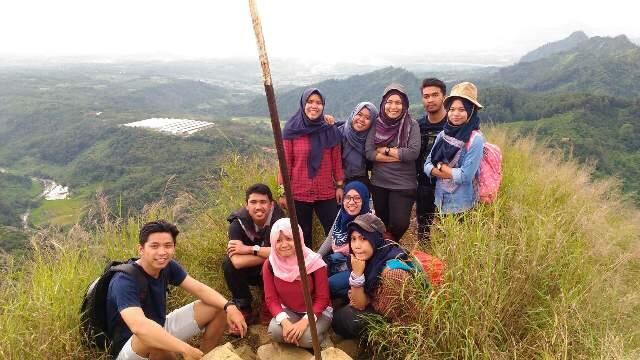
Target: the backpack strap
pixel 473 135
pixel 135 273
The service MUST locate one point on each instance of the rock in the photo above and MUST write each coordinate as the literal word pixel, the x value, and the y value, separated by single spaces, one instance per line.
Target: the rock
pixel 334 354
pixel 349 346
pixel 277 351
pixel 260 331
pixel 222 352
pixel 245 352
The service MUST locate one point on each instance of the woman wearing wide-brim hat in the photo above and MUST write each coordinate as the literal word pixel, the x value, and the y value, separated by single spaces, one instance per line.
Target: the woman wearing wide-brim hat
pixel 455 157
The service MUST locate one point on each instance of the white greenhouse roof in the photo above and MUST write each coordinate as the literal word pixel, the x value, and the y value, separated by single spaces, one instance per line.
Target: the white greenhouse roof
pixel 172 126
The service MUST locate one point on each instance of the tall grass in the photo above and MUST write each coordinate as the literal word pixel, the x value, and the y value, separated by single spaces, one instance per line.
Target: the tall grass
pixel 550 271
pixel 40 298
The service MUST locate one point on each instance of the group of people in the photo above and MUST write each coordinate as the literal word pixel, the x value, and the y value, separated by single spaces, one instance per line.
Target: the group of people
pixel 432 161
pixel 359 265
pixel 425 162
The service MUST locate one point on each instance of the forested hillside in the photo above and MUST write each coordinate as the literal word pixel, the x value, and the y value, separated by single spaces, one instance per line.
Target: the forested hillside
pixel 599 65
pixel 65 124
pixel 555 47
pixel 341 95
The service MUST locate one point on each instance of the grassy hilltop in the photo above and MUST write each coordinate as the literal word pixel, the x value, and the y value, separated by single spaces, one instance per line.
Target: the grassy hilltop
pixel 551 270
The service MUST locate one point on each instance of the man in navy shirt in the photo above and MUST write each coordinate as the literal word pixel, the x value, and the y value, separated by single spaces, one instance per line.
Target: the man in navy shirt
pixel 433 92
pixel 139 328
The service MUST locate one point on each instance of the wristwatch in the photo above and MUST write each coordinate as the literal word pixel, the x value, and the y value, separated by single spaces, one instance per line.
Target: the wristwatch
pixel 230 302
pixel 386 151
pixel 439 166
pixel 256 248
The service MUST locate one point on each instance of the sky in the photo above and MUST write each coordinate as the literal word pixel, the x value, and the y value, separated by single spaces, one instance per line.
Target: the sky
pixel 321 30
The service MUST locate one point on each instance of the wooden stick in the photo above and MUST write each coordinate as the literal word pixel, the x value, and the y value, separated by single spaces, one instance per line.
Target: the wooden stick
pixel 277 135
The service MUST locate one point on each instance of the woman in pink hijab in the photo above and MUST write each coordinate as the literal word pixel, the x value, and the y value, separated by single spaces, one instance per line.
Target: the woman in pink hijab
pixel 283 289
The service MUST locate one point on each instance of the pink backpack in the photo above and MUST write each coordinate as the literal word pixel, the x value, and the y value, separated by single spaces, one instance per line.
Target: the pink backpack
pixel 490 173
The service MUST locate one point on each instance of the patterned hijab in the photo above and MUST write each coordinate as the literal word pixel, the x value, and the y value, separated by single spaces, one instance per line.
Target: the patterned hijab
pixel 388 129
pixel 339 229
pixel 455 136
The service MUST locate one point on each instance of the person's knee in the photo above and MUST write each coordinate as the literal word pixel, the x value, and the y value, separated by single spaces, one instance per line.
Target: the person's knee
pixel 140 348
pixel 305 340
pixel 228 266
pixel 205 314
pixel 346 323
pixel 275 331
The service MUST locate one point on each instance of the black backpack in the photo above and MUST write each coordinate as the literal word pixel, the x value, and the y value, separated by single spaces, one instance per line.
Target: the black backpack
pixel 93 312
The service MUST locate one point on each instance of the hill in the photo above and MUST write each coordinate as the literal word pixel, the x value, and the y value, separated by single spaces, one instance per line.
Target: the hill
pixel 64 124
pixel 599 65
pixel 17 195
pixel 341 95
pixel 548 271
pixel 551 48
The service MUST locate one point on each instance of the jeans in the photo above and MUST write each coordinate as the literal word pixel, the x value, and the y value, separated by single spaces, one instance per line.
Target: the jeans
pixel 339 285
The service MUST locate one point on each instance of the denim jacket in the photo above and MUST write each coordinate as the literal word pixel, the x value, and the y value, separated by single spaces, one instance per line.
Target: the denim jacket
pixel 464 196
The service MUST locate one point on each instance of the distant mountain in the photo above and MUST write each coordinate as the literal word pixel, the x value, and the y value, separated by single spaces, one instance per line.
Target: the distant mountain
pixel 636 41
pixel 599 65
pixel 341 95
pixel 175 95
pixel 551 48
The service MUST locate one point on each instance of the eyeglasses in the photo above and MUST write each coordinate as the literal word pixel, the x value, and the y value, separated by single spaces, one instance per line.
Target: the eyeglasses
pixel 355 199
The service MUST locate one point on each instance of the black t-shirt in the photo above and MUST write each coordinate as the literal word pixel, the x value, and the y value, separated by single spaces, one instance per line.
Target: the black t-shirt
pixel 428 134
pixel 236 232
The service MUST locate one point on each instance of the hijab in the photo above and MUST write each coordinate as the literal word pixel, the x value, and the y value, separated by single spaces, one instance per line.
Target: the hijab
pixel 388 129
pixel 353 157
pixel 287 268
pixel 383 251
pixel 321 134
pixel 455 136
pixel 339 231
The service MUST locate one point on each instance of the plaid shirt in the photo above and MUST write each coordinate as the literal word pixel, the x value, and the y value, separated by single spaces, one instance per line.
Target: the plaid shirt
pixel 321 187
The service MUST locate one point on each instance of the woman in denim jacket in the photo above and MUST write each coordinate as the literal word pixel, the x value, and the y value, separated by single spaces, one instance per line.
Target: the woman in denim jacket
pixel 453 160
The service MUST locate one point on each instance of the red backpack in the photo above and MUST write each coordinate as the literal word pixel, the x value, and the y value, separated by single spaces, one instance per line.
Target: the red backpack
pixel 430 265
pixel 489 177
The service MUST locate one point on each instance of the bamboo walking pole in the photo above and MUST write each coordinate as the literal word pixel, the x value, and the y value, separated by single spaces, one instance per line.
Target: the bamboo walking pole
pixel 277 134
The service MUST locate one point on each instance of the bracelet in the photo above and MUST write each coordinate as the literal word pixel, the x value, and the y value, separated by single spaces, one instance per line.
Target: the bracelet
pixel 339 186
pixel 230 302
pixel 356 281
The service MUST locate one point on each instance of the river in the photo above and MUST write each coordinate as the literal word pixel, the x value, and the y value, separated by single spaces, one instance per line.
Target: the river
pixel 52 191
